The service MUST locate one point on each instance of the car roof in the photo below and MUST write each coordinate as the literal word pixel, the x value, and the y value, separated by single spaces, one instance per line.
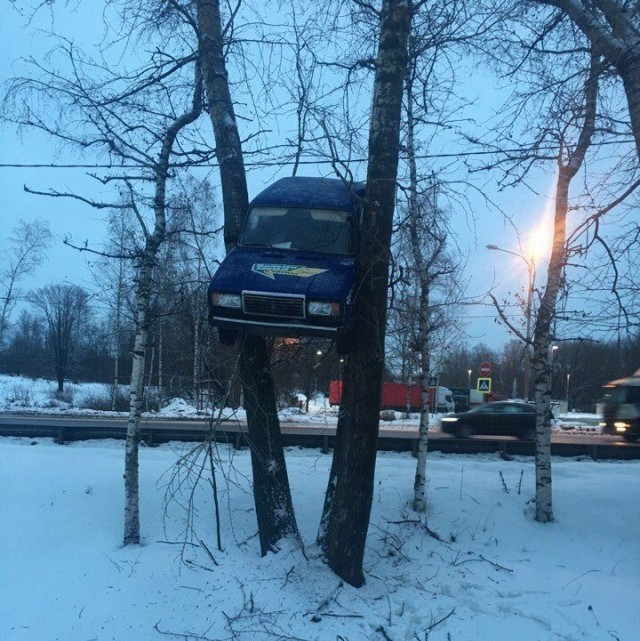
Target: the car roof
pixel 632 381
pixel 527 406
pixel 308 192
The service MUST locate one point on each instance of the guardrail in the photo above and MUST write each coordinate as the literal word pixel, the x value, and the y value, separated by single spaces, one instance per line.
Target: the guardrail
pixel 153 432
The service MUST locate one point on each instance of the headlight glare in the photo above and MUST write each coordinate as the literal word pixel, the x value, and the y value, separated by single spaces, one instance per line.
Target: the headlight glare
pixel 226 300
pixel 323 308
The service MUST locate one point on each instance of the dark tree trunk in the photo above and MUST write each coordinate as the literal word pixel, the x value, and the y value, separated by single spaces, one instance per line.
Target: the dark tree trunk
pixel 347 508
pixel 272 495
pixel 629 71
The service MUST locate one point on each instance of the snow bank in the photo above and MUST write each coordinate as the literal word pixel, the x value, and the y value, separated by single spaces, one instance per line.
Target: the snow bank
pixel 493 574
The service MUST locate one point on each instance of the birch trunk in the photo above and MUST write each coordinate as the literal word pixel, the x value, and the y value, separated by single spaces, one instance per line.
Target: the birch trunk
pixel 345 519
pixel 196 361
pixel 424 284
pixel 160 368
pixel 542 329
pixel 612 29
pixel 131 480
pixel 153 241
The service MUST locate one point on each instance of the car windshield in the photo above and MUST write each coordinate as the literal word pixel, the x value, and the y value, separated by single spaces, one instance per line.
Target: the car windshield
pixel 624 394
pixel 318 230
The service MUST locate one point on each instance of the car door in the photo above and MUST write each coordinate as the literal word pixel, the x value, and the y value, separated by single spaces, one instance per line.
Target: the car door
pixel 500 418
pixel 512 418
pixel 483 420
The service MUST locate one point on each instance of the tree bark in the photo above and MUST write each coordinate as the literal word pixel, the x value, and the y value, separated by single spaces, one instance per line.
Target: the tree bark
pixel 225 128
pixel 546 311
pixel 347 508
pixel 424 284
pixel 274 508
pixel 153 241
pixel 272 494
pixel 614 34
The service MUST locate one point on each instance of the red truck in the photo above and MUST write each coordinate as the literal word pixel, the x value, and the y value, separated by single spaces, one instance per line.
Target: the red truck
pixel 396 396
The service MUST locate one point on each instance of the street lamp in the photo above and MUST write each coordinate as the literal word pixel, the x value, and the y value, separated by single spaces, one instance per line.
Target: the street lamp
pixel 530 272
pixel 552 353
pixel 469 378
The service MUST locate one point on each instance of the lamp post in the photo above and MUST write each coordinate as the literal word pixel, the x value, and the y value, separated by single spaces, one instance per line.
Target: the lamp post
pixel 552 353
pixel 568 379
pixel 530 275
pixel 469 378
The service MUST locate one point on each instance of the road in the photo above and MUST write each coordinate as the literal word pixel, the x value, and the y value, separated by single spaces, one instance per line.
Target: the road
pixel 154 431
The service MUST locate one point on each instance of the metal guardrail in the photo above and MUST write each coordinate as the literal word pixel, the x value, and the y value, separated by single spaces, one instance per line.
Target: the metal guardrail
pixel 153 432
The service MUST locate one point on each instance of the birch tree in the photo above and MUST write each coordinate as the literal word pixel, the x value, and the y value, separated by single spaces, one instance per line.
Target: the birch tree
pixel 613 29
pixel 138 118
pixel 570 159
pixel 564 107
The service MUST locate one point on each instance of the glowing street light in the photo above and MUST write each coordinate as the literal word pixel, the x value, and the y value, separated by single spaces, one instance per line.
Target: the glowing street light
pixel 530 262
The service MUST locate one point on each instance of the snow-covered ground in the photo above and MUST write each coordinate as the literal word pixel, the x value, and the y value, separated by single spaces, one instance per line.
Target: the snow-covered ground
pixel 494 575
pixel 24 395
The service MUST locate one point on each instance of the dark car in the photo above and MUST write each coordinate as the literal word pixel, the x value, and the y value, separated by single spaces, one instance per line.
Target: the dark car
pixel 503 418
pixel 293 270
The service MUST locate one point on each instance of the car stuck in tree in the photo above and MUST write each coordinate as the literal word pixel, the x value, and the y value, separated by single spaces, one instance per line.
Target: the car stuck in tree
pixel 293 269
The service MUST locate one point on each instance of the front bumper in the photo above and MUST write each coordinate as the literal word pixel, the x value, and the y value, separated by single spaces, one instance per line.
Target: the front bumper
pixel 272 327
pixel 620 427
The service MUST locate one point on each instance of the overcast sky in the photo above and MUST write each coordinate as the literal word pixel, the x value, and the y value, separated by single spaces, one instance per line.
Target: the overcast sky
pixel 68 218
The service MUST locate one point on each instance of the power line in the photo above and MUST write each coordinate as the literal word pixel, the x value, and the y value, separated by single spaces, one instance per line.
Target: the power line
pixel 274 163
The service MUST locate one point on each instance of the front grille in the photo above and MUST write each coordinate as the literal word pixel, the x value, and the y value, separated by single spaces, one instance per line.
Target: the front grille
pixel 281 306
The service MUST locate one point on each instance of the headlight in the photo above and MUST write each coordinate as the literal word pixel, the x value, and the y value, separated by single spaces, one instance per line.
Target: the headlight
pixel 319 308
pixel 620 426
pixel 602 424
pixel 449 419
pixel 226 300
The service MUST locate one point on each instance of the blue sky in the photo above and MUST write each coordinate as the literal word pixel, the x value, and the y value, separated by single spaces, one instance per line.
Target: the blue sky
pixel 475 228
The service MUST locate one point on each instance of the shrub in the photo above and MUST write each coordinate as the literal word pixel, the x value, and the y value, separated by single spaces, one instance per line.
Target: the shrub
pixel 102 401
pixel 387 415
pixel 66 396
pixel 19 395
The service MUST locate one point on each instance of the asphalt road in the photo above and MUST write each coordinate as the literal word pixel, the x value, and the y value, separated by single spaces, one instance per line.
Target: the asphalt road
pixel 154 431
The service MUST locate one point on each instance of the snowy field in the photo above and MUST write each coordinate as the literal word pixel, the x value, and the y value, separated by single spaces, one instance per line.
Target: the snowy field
pixel 495 575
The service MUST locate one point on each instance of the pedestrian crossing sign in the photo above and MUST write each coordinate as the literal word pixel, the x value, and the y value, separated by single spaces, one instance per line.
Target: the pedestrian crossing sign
pixel 484 385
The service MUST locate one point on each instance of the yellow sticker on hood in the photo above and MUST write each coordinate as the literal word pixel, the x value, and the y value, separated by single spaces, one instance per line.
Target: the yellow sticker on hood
pixel 270 270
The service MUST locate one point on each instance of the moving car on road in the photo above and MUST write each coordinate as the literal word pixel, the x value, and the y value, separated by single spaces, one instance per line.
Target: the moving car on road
pixel 621 414
pixel 293 270
pixel 502 418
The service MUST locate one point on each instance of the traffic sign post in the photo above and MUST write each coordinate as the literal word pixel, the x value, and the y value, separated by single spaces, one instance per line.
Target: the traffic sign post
pixel 484 385
pixel 485 369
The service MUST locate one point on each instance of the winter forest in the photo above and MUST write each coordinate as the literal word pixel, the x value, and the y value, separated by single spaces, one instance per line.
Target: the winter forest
pixel 175 113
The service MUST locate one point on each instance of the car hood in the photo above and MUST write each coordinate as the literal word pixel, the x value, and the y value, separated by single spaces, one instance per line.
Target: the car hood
pixel 328 276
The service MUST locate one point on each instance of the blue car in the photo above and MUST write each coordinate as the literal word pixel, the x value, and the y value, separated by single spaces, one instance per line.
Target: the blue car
pixel 293 270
